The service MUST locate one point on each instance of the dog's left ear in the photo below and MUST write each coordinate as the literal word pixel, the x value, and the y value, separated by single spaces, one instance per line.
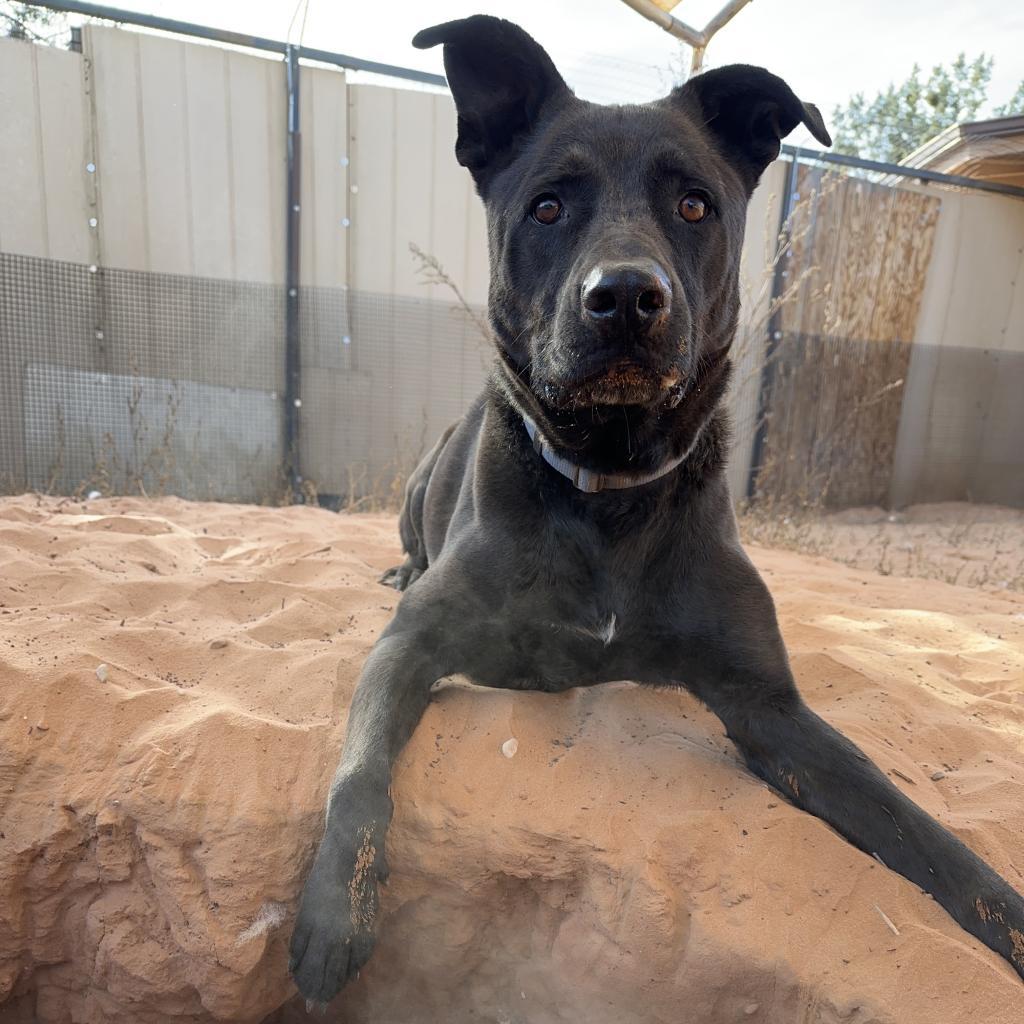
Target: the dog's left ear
pixel 502 82
pixel 749 111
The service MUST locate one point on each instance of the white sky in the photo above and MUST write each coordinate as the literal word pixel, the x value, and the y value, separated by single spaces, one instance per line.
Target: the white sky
pixel 825 49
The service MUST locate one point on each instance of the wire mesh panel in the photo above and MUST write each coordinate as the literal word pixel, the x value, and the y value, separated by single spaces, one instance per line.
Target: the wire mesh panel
pixel 382 376
pixel 126 381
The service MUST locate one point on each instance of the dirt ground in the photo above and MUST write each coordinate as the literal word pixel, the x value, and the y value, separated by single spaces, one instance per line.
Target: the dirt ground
pixel 175 684
pixel 969 545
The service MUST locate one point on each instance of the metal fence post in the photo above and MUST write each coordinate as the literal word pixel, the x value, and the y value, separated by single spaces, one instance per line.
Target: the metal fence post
pixel 292 355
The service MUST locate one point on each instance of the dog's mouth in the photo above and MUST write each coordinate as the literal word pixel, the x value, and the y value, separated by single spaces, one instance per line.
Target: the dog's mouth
pixel 625 382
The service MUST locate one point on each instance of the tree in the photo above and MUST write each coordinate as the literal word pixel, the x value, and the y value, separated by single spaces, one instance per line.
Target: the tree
pixel 1014 106
pixel 898 120
pixel 23 21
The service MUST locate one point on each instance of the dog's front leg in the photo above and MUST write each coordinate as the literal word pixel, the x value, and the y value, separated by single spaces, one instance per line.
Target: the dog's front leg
pixel 334 931
pixel 739 669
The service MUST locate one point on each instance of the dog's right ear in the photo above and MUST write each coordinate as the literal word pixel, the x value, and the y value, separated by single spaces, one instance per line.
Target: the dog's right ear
pixel 502 82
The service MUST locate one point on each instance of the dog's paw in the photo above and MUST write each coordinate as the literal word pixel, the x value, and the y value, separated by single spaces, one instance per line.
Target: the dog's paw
pixel 326 953
pixel 401 577
pixel 334 931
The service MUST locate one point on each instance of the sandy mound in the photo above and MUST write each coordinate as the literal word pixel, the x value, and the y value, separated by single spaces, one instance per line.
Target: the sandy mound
pixel 621 867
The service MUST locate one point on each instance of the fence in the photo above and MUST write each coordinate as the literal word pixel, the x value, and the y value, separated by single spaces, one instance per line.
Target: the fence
pixel 143 246
pixel 144 295
pixel 885 366
pixel 840 340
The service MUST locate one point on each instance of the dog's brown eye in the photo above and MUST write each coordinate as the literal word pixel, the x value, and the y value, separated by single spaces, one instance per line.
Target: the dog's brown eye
pixel 693 207
pixel 546 210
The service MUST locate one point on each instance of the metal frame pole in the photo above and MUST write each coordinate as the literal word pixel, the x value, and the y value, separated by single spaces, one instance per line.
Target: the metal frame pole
pixel 903 171
pixel 220 35
pixel 698 39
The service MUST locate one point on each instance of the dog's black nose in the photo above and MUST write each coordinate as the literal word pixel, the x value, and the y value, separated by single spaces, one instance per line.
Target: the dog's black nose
pixel 633 295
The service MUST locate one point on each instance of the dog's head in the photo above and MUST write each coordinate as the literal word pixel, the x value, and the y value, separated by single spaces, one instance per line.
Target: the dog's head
pixel 615 231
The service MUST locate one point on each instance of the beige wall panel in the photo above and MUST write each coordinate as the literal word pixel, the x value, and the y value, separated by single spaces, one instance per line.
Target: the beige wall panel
pixel 276 116
pixel 987 243
pixel 62 113
pixel 942 273
pixel 191 158
pixel 325 177
pixel 461 356
pixel 999 471
pixel 1014 326
pixel 23 227
pixel 479 354
pixel 460 243
pixel 209 161
pixel 460 231
pixel 756 271
pixel 310 208
pixel 962 418
pixel 450 202
pixel 415 212
pixel 761 238
pixel 1007 404
pixel 372 128
pixel 414 358
pixel 120 174
pixel 372 121
pixel 478 270
pixel 256 131
pixel 165 151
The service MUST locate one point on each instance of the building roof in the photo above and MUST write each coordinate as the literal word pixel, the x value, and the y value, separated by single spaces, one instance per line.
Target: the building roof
pixel 991 150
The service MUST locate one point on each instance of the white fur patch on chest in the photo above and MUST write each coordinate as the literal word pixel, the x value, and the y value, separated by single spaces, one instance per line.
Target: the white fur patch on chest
pixel 605 633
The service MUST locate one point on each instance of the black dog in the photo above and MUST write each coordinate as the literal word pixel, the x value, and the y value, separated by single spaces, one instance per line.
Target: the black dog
pixel 575 526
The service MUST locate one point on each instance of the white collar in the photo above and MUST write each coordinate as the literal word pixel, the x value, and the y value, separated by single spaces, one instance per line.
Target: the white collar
pixel 589 481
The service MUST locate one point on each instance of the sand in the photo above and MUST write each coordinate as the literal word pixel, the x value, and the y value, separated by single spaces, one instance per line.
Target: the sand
pixel 157 816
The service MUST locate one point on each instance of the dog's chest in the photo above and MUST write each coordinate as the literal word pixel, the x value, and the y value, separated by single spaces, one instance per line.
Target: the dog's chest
pixel 574 606
pixel 550 651
pixel 571 633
